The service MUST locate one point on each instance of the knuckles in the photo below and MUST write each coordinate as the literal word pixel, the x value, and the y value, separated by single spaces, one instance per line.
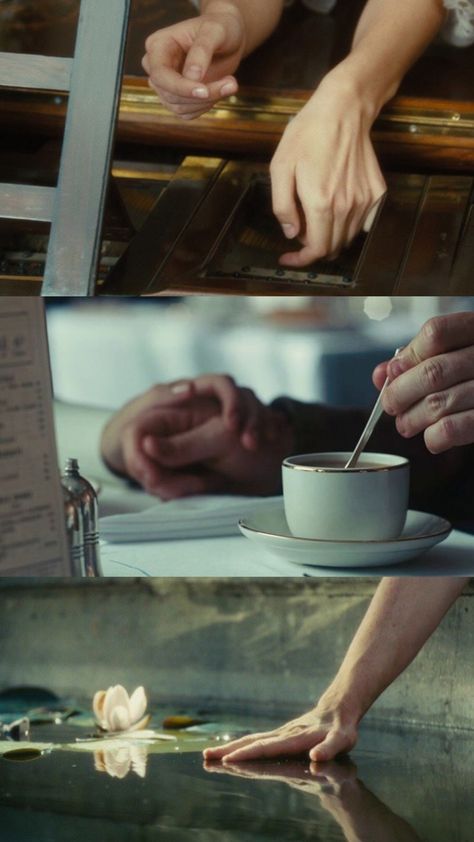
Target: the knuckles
pixel 433 374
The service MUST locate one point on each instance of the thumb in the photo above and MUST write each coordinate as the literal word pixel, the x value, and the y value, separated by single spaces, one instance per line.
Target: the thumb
pixel 380 375
pixel 209 39
pixel 334 743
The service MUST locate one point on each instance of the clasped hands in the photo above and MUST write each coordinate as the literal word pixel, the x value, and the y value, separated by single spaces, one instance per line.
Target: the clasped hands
pixel 209 435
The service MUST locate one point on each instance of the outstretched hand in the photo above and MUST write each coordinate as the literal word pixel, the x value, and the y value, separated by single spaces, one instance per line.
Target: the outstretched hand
pixel 322 734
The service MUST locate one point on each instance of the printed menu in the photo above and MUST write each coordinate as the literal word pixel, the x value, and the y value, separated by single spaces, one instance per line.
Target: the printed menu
pixel 32 529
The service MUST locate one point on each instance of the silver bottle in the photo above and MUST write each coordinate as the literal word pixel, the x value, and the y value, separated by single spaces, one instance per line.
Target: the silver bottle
pixel 85 502
pixel 75 533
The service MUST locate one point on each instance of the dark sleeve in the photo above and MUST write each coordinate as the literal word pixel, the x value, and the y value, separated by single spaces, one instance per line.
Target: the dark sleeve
pixel 442 484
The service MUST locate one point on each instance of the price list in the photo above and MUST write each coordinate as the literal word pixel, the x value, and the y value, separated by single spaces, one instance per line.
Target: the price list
pixel 32 531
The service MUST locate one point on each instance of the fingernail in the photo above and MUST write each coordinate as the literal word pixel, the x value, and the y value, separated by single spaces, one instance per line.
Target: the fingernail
pixel 397 366
pixel 201 93
pixel 194 73
pixel 228 89
pixel 180 388
pixel 289 231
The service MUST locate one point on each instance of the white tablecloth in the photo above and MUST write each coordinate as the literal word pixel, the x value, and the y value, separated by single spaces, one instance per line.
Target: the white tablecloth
pixel 234 557
pixel 239 557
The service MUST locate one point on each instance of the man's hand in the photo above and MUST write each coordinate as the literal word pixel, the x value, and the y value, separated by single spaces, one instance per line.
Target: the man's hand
pixel 433 383
pixel 200 436
pixel 191 64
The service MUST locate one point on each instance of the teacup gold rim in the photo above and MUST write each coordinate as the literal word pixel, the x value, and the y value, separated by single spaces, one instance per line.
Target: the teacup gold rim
pixel 403 463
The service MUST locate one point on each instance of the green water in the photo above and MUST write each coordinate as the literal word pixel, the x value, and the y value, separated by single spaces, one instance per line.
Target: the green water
pixel 399 786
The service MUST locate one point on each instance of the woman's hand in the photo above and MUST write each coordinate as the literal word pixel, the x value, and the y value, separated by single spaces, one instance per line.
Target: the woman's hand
pixel 323 733
pixel 326 180
pixel 432 389
pixel 191 64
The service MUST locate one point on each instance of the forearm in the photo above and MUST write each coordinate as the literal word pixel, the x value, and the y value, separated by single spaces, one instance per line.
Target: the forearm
pixel 400 619
pixel 390 37
pixel 260 19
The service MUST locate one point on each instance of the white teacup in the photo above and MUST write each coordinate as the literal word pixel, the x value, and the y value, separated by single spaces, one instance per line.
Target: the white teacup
pixel 366 503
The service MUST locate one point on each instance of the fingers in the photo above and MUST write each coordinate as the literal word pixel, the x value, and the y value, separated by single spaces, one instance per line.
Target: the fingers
pixel 284 198
pixel 438 336
pixel 241 409
pixel 452 431
pixel 198 445
pixel 211 36
pixel 218 752
pixel 380 375
pixel 278 746
pixel 428 380
pixel 333 744
pixel 177 62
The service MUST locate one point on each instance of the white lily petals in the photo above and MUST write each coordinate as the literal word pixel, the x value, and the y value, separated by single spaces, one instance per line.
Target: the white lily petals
pixel 138 703
pixel 115 711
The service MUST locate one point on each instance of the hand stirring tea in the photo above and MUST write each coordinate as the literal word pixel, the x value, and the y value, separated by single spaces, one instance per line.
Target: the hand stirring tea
pixel 375 416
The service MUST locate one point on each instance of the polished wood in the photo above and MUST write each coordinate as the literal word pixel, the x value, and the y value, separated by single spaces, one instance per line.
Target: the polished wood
pixel 276 81
pixel 436 237
pixel 225 239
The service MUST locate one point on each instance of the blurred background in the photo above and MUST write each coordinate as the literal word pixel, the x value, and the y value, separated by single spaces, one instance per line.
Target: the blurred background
pixel 104 352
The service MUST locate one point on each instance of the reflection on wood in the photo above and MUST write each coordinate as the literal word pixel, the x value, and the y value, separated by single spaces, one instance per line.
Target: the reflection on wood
pixel 226 239
pixel 437 236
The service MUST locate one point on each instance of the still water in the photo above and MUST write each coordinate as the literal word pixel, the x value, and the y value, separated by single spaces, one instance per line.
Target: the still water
pixel 398 786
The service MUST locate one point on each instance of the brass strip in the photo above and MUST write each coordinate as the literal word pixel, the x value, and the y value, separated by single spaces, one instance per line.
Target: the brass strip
pixel 269 109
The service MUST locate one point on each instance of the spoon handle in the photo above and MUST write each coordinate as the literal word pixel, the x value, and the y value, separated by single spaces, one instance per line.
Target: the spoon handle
pixel 375 415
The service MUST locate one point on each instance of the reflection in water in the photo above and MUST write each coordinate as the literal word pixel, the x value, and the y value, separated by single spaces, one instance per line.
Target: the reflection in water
pixel 408 786
pixel 359 813
pixel 120 759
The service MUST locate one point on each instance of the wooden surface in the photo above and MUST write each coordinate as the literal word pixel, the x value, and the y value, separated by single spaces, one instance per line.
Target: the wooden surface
pixel 305 44
pixel 291 63
pixel 225 240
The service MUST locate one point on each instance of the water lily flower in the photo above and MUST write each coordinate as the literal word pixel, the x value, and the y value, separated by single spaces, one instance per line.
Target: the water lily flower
pixel 116 712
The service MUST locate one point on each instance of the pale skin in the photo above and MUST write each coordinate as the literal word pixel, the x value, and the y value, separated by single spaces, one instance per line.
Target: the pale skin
pixel 326 181
pixel 401 617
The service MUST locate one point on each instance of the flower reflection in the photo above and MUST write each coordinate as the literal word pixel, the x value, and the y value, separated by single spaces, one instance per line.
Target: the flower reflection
pixel 121 759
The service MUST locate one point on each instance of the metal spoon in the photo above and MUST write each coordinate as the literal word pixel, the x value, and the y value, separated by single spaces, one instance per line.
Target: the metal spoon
pixel 375 416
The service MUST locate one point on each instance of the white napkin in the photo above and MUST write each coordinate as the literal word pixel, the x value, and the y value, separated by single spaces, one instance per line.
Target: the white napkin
pixel 193 517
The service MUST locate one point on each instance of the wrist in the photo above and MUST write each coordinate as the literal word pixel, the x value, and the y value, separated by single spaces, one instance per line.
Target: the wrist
pixel 281 422
pixel 342 703
pixel 351 92
pixel 228 8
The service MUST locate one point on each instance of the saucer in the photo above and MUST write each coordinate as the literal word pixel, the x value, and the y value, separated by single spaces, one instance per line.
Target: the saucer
pixel 269 529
